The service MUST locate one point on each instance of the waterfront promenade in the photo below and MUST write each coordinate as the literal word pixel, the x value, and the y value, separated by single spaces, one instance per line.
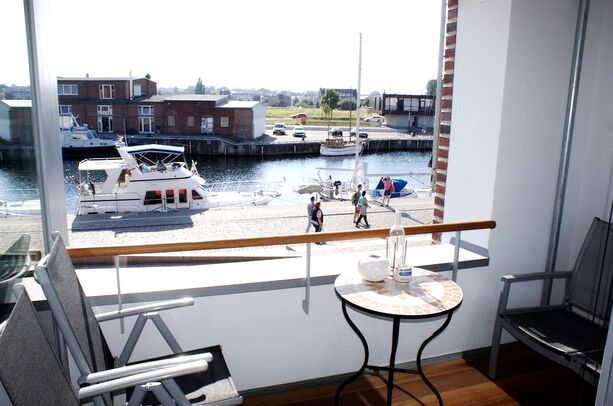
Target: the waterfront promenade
pixel 213 224
pixel 233 222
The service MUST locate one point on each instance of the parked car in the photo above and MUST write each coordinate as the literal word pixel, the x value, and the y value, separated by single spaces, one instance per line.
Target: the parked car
pixel 363 134
pixel 335 132
pixel 299 132
pixel 374 119
pixel 279 128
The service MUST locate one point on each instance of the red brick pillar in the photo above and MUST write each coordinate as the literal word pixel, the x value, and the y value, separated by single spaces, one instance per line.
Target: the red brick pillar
pixel 444 123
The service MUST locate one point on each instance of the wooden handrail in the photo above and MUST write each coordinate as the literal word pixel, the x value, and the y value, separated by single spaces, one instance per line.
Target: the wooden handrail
pixel 88 252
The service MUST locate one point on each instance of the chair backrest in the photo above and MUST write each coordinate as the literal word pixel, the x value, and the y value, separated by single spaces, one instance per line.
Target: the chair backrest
pixel 590 285
pixel 74 316
pixel 29 371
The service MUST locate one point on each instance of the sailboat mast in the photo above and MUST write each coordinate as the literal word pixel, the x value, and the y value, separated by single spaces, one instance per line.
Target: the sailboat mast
pixel 358 143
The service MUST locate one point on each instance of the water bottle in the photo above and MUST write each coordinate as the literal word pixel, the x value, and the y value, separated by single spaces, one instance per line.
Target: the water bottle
pixel 395 243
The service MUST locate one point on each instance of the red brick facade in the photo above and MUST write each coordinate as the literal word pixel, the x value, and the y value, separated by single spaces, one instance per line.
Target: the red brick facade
pixel 442 152
pixel 174 114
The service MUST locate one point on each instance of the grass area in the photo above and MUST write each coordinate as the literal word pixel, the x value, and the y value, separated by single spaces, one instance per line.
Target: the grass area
pixel 315 116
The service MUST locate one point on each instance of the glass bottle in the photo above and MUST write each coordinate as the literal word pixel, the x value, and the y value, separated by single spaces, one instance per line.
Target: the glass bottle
pixel 395 242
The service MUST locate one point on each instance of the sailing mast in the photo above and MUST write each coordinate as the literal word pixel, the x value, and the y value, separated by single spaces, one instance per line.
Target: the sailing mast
pixel 358 143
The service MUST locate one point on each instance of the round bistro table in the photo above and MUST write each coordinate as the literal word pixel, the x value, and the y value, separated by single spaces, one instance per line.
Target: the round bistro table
pixel 427 295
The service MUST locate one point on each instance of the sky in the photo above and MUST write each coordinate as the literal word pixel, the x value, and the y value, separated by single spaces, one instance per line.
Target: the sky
pixel 274 44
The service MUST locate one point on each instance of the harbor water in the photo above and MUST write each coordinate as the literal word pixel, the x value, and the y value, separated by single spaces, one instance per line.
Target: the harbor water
pixel 228 173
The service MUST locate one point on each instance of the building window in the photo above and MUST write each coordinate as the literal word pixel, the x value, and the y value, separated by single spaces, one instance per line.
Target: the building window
pixel 138 90
pixel 67 90
pixel 65 110
pixel 206 125
pixel 171 121
pixel 390 103
pixel 105 110
pixel 107 91
pixel 145 125
pixel 225 122
pixel 411 104
pixel 105 119
pixel 145 110
pixel 190 121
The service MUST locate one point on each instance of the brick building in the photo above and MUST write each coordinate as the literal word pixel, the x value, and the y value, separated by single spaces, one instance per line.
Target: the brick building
pixel 132 106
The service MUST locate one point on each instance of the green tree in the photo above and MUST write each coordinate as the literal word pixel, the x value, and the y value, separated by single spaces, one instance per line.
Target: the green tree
pixel 199 87
pixel 431 87
pixel 365 102
pixel 329 102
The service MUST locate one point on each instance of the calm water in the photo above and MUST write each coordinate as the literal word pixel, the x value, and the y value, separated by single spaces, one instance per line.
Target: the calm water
pixel 229 170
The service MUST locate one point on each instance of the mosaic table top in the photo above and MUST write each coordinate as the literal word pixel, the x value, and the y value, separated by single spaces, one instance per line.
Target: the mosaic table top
pixel 428 294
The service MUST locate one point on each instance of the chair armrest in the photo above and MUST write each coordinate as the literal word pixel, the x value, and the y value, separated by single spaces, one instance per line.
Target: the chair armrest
pixel 535 276
pixel 121 372
pixel 165 305
pixel 507 280
pixel 142 378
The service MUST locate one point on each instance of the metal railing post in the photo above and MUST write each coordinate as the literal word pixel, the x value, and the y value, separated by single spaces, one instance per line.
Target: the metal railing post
pixel 119 302
pixel 307 286
pixel 456 256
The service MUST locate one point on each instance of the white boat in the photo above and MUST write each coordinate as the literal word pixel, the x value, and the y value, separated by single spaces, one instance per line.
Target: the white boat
pixel 152 178
pixel 340 147
pixel 19 208
pixel 82 140
pixel 311 185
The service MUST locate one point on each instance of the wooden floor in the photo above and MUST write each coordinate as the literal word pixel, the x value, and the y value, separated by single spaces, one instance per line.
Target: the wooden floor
pixel 524 378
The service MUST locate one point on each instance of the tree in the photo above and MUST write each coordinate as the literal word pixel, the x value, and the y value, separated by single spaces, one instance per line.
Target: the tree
pixel 329 102
pixel 431 87
pixel 199 87
pixel 365 102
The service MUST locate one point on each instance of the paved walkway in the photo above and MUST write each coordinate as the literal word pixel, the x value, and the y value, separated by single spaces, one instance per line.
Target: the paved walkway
pixel 224 223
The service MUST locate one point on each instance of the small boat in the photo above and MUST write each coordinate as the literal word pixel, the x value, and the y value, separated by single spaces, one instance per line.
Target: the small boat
pixel 340 147
pixel 78 140
pixel 308 188
pixel 20 208
pixel 152 178
pixel 400 189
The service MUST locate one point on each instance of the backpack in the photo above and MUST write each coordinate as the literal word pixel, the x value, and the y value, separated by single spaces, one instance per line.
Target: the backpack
pixel 354 198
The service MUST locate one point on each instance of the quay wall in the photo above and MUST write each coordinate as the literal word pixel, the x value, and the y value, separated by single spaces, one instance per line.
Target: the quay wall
pixel 224 147
pixel 219 146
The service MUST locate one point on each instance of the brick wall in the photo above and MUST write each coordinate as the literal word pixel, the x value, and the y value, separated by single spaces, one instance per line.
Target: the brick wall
pixel 442 152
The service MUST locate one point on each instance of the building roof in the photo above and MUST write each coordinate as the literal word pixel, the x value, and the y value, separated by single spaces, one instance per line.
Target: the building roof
pixel 239 104
pixel 185 97
pixel 98 79
pixel 17 103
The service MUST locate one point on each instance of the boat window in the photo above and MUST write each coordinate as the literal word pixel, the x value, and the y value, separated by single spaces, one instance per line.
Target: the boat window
pixel 196 195
pixel 182 195
pixel 153 197
pixel 170 196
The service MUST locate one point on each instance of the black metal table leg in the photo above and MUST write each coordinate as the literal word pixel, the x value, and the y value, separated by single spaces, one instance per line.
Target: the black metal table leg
pixel 366 354
pixel 392 364
pixel 419 352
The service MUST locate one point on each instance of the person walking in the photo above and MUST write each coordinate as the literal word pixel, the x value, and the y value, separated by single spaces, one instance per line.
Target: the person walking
pixel 317 218
pixel 363 204
pixel 354 202
pixel 310 208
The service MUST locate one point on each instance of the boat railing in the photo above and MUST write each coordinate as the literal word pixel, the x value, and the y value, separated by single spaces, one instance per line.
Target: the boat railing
pixel 19 195
pixel 250 186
